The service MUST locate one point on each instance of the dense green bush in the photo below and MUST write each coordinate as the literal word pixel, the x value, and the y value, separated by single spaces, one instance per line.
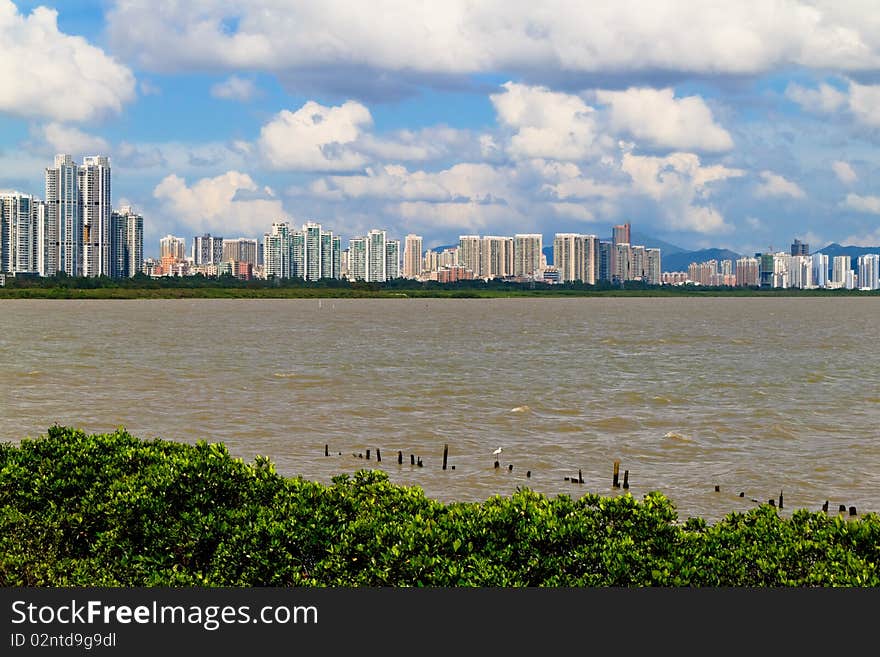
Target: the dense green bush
pixel 114 510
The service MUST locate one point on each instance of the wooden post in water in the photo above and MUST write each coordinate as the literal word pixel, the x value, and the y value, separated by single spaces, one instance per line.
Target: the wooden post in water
pixel 717 488
pixel 368 455
pixel 378 455
pixel 412 459
pixel 326 450
pixel 614 482
pixel 399 456
pixel 580 476
pixel 825 506
pixel 842 508
pixel 852 510
pixel 626 478
pixel 780 499
pixel 445 453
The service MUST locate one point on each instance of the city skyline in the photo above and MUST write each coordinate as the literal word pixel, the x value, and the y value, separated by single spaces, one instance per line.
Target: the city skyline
pixel 729 126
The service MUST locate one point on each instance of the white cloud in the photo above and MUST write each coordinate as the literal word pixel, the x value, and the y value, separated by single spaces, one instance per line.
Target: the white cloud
pixel 863 239
pixel 315 137
pixel 869 204
pixel 51 74
pixel 459 36
pixel 234 88
pixel 462 183
pixel 775 185
pixel 216 205
pixel 656 116
pixel 861 101
pixel 844 172
pixel 825 99
pixel 678 182
pixel 68 139
pixel 864 103
pixel 546 124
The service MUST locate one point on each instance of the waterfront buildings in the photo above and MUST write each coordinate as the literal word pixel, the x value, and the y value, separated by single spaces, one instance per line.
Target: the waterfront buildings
pixel 22 219
pixel 412 256
pixel 126 243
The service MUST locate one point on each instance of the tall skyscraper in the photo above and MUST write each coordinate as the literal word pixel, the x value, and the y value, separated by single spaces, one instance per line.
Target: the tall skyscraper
pixel 621 257
pixel 527 254
pixel 606 260
pixel 64 228
pixel 127 243
pixel 412 256
pixel 21 217
pixel 95 203
pixel 569 257
pixel 653 268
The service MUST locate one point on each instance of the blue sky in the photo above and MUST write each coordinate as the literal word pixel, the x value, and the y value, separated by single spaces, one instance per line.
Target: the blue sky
pixel 740 125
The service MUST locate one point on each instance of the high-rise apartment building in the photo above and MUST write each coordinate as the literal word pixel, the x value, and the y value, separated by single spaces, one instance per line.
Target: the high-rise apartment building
pixel 127 243
pixel 207 250
pixel 621 258
pixel 277 251
pixel 575 257
pixel 747 272
pixel 21 219
pixel 621 234
pixel 95 208
pixel 64 231
pixel 605 261
pixel 496 257
pixel 241 249
pixel 172 247
pixel 820 269
pixel 312 251
pixel 392 259
pixel 357 258
pixel 869 271
pixel 376 256
pixel 840 268
pixel 652 271
pixel 527 253
pixel 412 256
pixel 469 255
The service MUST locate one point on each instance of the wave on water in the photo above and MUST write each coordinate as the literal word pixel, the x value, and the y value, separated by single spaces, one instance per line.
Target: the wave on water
pixel 521 409
pixel 285 375
pixel 675 437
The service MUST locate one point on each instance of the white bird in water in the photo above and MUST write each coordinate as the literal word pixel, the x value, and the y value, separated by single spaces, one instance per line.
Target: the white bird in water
pixel 496 452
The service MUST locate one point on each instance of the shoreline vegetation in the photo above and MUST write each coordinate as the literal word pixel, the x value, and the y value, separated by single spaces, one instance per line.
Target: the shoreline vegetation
pixel 227 287
pixel 80 509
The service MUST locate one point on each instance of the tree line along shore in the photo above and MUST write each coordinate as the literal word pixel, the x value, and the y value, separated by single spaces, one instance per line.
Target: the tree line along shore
pixel 145 287
pixel 111 509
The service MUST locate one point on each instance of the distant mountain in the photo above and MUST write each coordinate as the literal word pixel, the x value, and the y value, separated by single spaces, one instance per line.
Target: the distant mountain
pixel 835 249
pixel 680 261
pixel 666 249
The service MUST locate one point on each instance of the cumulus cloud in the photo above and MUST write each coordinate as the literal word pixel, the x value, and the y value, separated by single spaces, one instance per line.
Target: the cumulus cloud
pixel 234 88
pixel 462 183
pixel 844 172
pixel 68 139
pixel 315 137
pixel 681 185
pixel 775 185
pixel 861 101
pixel 220 205
pixel 546 124
pixel 51 74
pixel 657 117
pixel 823 99
pixel 459 36
pixel 869 204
